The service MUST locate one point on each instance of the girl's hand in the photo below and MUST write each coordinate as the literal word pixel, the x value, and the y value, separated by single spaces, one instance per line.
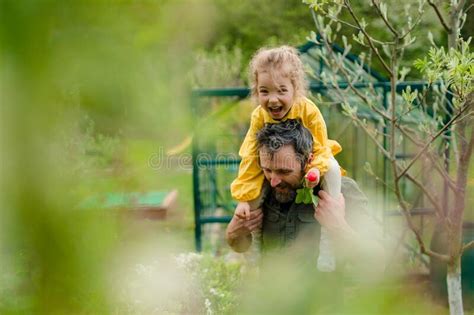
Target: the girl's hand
pixel 312 178
pixel 243 210
pixel 238 232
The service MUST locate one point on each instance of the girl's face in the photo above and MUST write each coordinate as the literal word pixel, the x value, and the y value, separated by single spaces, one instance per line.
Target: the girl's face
pixel 275 93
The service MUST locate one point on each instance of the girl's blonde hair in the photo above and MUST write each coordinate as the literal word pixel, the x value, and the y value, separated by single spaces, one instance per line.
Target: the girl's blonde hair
pixel 284 59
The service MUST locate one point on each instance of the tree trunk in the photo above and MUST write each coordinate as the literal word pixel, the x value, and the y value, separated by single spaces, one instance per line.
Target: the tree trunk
pixel 453 276
pixel 453 280
pixel 456 215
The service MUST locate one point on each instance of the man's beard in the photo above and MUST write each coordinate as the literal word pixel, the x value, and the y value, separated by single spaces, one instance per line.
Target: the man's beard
pixel 288 195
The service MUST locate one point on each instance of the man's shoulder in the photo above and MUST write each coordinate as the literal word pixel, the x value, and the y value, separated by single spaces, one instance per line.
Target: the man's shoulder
pixel 352 192
pixel 358 211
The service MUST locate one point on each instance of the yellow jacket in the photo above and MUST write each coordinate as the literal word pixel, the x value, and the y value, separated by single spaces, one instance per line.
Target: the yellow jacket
pixel 248 184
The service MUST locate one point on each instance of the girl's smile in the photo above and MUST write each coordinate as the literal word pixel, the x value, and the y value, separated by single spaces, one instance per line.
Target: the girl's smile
pixel 275 93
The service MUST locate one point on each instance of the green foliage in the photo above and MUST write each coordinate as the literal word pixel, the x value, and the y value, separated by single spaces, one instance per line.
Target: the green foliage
pixel 250 25
pixel 84 149
pixel 454 68
pixel 305 195
pixel 259 23
pixel 409 96
pixel 219 68
pixel 336 23
pixel 322 5
pixel 218 281
pixel 199 284
pixel 80 81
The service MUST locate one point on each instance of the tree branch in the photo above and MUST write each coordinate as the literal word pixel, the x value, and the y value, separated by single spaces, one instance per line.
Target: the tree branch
pixel 386 67
pixel 470 145
pixel 432 198
pixel 439 256
pixel 467 247
pixel 423 248
pixel 363 97
pixel 420 16
pixel 422 97
pixel 403 114
pixel 369 133
pixel 440 17
pixel 440 132
pixel 469 8
pixel 440 169
pixel 343 22
pixel 347 77
pixel 390 26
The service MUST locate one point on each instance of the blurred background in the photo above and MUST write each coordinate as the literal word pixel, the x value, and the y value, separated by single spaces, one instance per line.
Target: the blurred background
pixel 96 125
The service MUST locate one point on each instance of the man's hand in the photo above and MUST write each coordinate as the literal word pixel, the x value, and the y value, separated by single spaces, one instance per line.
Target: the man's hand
pixel 240 226
pixel 331 212
pixel 239 229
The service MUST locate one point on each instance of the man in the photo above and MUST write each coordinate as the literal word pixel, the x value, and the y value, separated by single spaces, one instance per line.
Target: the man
pixel 284 151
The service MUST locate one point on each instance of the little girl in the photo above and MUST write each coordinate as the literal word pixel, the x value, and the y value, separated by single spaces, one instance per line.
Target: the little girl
pixel 278 85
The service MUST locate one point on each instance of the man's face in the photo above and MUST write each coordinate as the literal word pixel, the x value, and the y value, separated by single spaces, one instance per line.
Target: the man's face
pixel 283 171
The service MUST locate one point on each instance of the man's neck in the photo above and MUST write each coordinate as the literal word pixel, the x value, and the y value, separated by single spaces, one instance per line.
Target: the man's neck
pixel 284 206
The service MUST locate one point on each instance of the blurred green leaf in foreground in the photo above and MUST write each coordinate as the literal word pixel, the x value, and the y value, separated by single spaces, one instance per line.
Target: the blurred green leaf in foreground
pixel 78 80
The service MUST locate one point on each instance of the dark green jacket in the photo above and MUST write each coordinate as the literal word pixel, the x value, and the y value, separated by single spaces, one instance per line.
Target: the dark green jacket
pixel 296 225
pixel 290 246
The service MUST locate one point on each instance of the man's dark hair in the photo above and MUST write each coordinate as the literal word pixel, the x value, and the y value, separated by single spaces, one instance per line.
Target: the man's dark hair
pixel 274 136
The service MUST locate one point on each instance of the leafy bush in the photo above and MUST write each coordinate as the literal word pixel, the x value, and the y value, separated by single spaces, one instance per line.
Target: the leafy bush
pixel 188 283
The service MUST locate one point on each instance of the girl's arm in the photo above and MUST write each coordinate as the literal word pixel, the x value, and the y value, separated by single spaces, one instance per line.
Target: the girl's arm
pixel 248 184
